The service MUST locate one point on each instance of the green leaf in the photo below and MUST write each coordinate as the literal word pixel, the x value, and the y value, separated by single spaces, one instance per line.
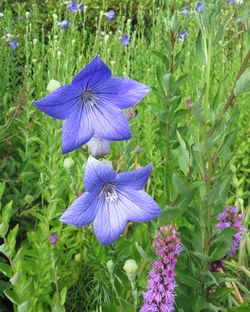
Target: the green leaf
pixel 2 187
pixel 201 48
pixel 183 277
pixel 221 293
pixel 181 205
pixel 183 156
pixel 6 215
pixel 143 254
pixel 179 184
pixel 174 22
pixel 243 84
pixel 11 239
pixel 4 248
pixel 6 269
pixel 221 244
pixel 163 58
pixel 63 295
pixel 12 296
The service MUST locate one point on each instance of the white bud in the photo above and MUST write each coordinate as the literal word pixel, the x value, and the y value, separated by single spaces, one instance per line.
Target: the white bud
pixel 59 54
pixel 53 85
pixel 110 266
pixel 73 41
pixel 130 267
pixel 27 14
pixel 34 61
pixel 106 38
pixel 35 41
pixel 85 8
pixel 55 17
pixel 113 63
pixel 68 163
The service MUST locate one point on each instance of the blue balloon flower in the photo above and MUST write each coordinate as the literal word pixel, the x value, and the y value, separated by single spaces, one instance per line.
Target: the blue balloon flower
pixel 92 104
pixel 199 7
pixel 124 40
pixel 185 11
pixel 183 35
pixel 64 24
pixel 110 15
pixel 230 1
pixel 73 6
pixel 14 44
pixel 111 200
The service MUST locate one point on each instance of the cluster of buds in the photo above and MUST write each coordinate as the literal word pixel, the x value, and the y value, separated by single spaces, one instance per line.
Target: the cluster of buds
pixel 161 285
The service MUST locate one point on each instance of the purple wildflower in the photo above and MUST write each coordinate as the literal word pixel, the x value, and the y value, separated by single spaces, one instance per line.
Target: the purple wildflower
pixel 230 1
pixel 199 7
pixel 183 35
pixel 53 238
pixel 188 102
pixel 124 40
pixel 185 11
pixel 232 218
pixel 160 295
pixel 64 24
pixel 74 7
pixel 111 200
pixel 131 113
pixel 98 147
pixel 14 44
pixel 92 104
pixel 110 15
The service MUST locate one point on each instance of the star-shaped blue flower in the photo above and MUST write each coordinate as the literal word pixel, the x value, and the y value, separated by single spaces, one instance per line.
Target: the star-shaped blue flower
pixel 92 104
pixel 111 200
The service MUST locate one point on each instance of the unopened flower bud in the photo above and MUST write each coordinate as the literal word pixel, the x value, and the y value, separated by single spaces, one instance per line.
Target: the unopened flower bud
pixel 53 238
pixel 27 14
pixel 110 266
pixel 131 267
pixel 55 17
pixel 53 85
pixel 68 163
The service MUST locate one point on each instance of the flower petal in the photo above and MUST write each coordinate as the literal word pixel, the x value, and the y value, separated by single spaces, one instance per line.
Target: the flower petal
pixel 138 205
pixel 77 129
pixel 110 222
pixel 60 103
pixel 135 179
pixel 110 123
pixel 82 211
pixel 97 174
pixel 121 92
pixel 94 73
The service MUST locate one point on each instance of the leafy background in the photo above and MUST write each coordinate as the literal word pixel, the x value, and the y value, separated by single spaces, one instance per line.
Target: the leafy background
pixel 35 188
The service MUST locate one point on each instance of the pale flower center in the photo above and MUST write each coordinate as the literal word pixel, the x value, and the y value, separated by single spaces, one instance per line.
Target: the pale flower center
pixel 109 192
pixel 88 98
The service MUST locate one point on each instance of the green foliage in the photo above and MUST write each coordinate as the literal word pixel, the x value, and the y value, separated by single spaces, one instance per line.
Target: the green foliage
pixel 200 153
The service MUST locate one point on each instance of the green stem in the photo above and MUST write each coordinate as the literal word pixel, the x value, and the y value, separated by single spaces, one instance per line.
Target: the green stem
pixel 209 172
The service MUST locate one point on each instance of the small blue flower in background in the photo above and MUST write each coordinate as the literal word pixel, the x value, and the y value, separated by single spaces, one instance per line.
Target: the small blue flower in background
pixel 111 200
pixel 239 21
pixel 183 35
pixel 185 11
pixel 73 6
pixel 230 1
pixel 92 104
pixel 124 40
pixel 110 15
pixel 14 44
pixel 98 147
pixel 64 24
pixel 199 7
